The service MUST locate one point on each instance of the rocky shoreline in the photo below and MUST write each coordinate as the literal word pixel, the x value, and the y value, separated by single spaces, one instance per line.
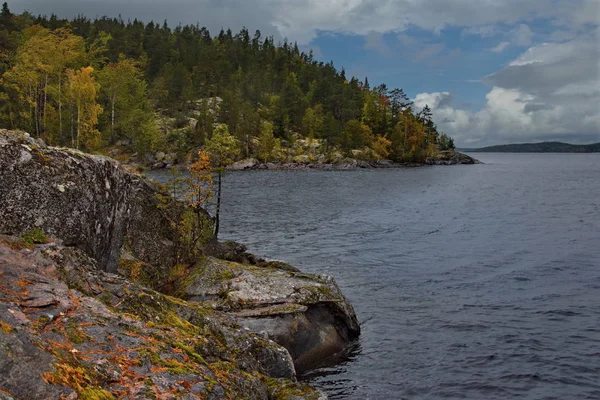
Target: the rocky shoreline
pixel 100 311
pixel 162 160
pixel 349 164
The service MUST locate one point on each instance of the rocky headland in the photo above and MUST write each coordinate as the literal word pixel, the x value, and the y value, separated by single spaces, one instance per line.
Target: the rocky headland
pixel 93 307
pixel 446 157
pixel 303 154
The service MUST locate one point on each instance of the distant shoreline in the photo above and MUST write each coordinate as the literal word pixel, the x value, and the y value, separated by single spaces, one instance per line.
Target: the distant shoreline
pixel 543 147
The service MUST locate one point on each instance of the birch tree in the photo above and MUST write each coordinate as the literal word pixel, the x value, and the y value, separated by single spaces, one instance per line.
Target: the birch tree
pixel 83 91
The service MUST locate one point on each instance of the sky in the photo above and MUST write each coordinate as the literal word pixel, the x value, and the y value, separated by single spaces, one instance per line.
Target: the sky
pixel 492 71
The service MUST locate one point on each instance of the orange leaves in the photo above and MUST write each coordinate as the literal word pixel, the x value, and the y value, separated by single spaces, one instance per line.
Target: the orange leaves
pixel 7 287
pixel 6 328
pixel 200 185
pixel 68 375
pixel 381 147
pixel 203 163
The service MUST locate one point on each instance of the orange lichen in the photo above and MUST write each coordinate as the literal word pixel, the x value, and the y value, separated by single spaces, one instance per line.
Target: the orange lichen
pixel 6 328
pixel 65 374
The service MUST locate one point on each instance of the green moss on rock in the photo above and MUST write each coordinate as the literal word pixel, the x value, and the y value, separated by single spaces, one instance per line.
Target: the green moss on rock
pixel 33 237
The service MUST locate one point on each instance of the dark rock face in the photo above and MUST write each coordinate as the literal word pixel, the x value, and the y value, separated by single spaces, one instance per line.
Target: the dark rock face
pixel 68 330
pixel 87 201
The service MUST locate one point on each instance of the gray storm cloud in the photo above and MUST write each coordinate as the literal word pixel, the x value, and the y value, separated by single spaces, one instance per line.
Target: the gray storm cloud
pixel 300 20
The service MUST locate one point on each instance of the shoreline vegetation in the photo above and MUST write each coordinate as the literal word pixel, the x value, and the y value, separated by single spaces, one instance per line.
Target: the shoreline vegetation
pixel 165 161
pixel 160 93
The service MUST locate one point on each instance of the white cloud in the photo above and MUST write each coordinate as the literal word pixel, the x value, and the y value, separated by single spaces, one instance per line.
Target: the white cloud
pixel 551 91
pixel 501 47
pixel 482 30
pixel 522 35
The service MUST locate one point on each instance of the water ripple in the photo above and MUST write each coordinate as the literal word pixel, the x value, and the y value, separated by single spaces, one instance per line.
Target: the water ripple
pixel 470 282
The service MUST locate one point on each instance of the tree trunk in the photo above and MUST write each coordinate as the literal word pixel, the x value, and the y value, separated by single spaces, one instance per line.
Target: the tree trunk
pixel 78 125
pixel 112 119
pixel 37 116
pixel 60 107
pixel 72 129
pixel 218 205
pixel 37 110
pixel 405 132
pixel 45 101
pixel 31 110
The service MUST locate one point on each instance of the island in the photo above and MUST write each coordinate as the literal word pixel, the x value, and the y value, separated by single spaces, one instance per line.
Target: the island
pixel 542 147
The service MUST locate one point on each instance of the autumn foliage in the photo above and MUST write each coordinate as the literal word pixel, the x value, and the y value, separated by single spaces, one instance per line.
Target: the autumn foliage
pixel 91 84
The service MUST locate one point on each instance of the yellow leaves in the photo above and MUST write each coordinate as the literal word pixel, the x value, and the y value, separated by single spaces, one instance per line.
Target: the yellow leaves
pixel 50 52
pixel 223 147
pixel 381 147
pixel 40 64
pixel 83 91
pixel 267 143
pixel 116 78
pixel 313 121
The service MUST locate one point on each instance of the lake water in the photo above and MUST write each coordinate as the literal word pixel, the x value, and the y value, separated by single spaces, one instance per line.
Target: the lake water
pixel 470 282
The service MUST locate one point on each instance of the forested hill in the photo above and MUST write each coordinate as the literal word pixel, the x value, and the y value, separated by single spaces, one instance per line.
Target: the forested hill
pixel 93 83
pixel 543 147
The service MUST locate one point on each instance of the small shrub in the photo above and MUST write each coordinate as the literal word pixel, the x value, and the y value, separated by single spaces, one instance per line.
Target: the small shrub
pixel 34 236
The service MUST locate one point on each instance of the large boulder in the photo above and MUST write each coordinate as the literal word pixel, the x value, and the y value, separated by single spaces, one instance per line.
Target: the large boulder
pixel 68 330
pixel 305 313
pixel 248 163
pixel 88 201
